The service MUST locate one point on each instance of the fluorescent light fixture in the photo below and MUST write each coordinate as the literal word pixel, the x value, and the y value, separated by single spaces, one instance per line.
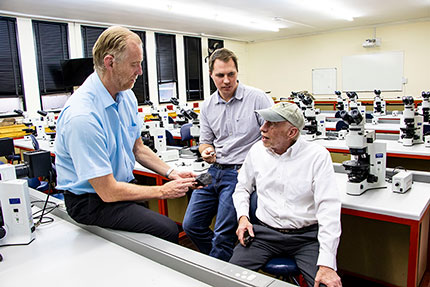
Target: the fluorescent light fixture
pixel 335 9
pixel 202 11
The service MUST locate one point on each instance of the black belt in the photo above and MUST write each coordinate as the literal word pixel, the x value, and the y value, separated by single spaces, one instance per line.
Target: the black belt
pixel 293 230
pixel 227 166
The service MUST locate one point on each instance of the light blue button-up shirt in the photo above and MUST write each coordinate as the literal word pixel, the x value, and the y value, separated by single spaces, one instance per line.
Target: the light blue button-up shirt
pixel 95 136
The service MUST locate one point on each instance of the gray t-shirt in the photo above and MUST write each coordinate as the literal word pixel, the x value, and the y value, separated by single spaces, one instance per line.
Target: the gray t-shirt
pixel 233 127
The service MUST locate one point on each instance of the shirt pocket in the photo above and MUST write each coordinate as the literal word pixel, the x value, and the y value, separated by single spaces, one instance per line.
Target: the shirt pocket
pixel 132 131
pixel 246 124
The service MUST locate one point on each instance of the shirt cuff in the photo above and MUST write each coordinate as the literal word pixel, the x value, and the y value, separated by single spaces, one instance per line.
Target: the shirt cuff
pixel 327 259
pixel 242 212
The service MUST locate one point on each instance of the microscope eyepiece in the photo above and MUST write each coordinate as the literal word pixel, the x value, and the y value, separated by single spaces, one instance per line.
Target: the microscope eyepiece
pixel 307 100
pixel 353 117
pixel 377 92
pixel 408 100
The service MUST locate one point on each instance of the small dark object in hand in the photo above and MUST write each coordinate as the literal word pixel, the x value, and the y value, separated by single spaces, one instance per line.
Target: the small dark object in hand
pixel 204 179
pixel 247 239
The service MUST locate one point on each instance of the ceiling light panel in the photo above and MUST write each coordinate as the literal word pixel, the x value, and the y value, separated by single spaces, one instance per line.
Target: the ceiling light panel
pixel 203 11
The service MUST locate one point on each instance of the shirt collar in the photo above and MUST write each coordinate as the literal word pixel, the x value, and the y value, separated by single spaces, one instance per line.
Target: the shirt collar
pixel 238 94
pixel 105 97
pixel 291 151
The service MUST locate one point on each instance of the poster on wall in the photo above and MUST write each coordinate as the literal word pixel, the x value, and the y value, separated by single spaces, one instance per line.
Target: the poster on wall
pixel 324 81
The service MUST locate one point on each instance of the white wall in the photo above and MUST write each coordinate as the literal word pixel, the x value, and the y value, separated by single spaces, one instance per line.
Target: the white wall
pixel 286 65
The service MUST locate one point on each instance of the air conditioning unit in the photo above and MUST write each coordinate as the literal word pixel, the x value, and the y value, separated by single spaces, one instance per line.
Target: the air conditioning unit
pixel 370 43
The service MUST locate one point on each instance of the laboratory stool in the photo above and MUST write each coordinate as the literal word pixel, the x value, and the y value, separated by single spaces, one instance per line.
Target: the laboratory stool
pixel 285 268
pixel 281 267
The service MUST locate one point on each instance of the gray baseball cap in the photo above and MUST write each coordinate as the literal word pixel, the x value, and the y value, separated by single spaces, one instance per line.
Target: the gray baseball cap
pixel 284 111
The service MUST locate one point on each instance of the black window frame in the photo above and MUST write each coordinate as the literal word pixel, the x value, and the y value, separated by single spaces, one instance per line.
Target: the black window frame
pixel 90 35
pixel 11 84
pixel 166 57
pixel 193 68
pixel 49 65
pixel 213 44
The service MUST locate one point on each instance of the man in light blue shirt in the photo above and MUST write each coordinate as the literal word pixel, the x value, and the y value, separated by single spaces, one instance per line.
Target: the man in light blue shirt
pixel 228 129
pixel 98 141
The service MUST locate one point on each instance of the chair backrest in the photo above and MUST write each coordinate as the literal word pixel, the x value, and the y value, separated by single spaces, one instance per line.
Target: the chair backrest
pixel 253 207
pixel 169 138
pixel 341 125
pixel 185 132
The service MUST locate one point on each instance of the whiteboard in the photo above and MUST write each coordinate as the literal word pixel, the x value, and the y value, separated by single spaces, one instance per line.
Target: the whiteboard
pixel 365 73
pixel 324 81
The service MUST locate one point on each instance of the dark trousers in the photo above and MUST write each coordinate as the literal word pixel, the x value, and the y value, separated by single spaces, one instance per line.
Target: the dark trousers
pixel 269 243
pixel 90 209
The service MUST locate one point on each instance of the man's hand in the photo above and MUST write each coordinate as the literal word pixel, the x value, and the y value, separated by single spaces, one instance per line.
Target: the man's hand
pixel 209 155
pixel 244 225
pixel 176 188
pixel 181 174
pixel 327 276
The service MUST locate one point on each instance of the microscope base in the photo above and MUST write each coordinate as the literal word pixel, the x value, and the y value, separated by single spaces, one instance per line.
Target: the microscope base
pixel 358 188
pixel 427 141
pixel 169 155
pixel 200 165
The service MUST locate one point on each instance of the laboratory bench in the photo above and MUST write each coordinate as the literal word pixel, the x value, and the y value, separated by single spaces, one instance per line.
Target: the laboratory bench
pixel 66 253
pixel 385 235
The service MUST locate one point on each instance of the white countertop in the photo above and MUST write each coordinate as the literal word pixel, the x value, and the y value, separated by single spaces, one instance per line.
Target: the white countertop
pixel 64 254
pixel 410 205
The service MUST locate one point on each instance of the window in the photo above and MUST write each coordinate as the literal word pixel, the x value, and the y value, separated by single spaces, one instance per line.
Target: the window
pixel 212 46
pixel 166 67
pixel 10 73
pixel 52 48
pixel 193 68
pixel 89 38
pixel 141 87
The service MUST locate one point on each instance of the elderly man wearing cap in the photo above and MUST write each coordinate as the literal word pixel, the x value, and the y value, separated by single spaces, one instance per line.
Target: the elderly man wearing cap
pixel 298 207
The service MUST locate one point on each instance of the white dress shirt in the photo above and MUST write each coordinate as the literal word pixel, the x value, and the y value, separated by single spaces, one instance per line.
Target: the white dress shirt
pixel 295 189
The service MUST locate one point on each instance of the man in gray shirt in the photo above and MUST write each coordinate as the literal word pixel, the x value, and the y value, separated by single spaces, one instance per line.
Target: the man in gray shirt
pixel 228 129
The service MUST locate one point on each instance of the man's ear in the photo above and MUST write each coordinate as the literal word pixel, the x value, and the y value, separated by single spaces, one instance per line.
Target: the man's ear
pixel 293 132
pixel 108 62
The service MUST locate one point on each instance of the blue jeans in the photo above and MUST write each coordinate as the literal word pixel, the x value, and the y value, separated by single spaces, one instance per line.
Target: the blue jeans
pixel 205 203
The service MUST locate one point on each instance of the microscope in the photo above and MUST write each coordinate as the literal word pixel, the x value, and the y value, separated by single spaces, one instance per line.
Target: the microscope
pixel 154 136
pixel 16 219
pixel 314 120
pixel 27 120
pixel 342 104
pixel 295 96
pixel 48 120
pixel 354 104
pixel 181 118
pixel 425 107
pixel 411 124
pixel 424 110
pixel 379 106
pixel 366 169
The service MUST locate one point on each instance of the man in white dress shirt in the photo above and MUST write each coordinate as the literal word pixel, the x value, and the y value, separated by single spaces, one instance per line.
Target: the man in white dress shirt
pixel 298 207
